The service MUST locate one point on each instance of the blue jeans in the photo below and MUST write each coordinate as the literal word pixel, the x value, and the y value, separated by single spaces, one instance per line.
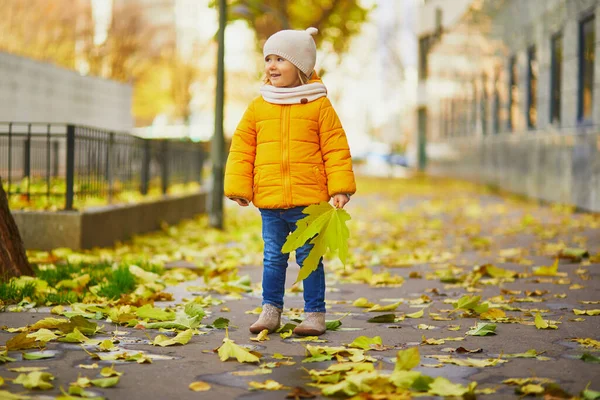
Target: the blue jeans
pixel 276 226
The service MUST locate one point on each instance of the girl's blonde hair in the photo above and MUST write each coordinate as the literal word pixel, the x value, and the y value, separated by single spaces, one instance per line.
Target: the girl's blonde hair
pixel 301 75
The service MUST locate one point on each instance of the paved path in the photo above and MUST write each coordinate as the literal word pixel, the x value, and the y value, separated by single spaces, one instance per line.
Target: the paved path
pixel 439 232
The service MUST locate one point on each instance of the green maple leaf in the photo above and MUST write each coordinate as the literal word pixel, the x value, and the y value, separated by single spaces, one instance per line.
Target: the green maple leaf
pixel 231 350
pixel 407 359
pixel 443 387
pixel 35 380
pixel 325 228
pixel 364 342
pixel 483 329
pixel 181 338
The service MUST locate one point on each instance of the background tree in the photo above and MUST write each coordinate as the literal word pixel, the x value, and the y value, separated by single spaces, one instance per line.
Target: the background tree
pixel 40 29
pixel 135 50
pixel 336 20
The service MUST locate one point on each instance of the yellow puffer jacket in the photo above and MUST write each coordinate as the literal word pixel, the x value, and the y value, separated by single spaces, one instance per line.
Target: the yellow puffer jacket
pixel 284 156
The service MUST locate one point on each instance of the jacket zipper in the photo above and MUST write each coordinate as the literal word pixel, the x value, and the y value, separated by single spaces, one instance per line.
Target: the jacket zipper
pixel 285 155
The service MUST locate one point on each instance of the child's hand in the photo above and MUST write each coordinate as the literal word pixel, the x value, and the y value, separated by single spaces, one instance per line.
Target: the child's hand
pixel 241 202
pixel 340 200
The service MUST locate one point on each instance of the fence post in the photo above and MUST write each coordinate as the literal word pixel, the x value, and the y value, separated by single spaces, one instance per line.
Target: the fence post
pixel 27 153
pixel 27 163
pixel 109 169
pixel 70 167
pixel 145 173
pixel 55 158
pixel 165 166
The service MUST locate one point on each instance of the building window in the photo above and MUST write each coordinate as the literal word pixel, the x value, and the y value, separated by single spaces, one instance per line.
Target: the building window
pixel 532 77
pixel 556 78
pixel 513 94
pixel 587 37
pixel 483 109
pixel 497 103
pixel 423 54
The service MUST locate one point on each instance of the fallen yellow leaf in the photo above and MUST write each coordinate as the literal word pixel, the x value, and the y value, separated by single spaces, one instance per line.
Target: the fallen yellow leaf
pixel 199 386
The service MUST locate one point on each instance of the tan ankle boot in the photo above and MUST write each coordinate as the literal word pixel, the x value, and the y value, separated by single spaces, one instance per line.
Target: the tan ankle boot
pixel 313 325
pixel 270 318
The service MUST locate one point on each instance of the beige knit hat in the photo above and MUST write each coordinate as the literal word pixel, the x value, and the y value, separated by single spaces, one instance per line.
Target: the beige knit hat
pixel 298 47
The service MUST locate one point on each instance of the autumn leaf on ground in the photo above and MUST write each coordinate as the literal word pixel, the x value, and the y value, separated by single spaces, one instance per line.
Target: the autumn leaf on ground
pixel 443 387
pixel 365 343
pixel 149 312
pixel 262 336
pixel 181 338
pixel 493 314
pixel 379 308
pixel 588 394
pixel 547 270
pixel 287 334
pixel 269 384
pixel 496 272
pixel 333 325
pixel 407 359
pixel 541 323
pixel 417 314
pixel 37 355
pixel 298 393
pixel 482 329
pixel 462 350
pixel 221 323
pixel 432 341
pixel 573 254
pixel 587 342
pixel 108 372
pixel 363 303
pixel 81 324
pixel 43 335
pixel 35 380
pixel 590 358
pixel 531 353
pixel 231 350
pixel 254 372
pixel 199 386
pixel 329 225
pixel 6 395
pixel 469 362
pixel 314 339
pixel 470 303
pixel 105 382
pixel 586 312
pixel 383 318
pixel 22 341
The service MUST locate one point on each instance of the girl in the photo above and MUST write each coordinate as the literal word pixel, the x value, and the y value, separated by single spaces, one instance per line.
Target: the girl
pixel 289 151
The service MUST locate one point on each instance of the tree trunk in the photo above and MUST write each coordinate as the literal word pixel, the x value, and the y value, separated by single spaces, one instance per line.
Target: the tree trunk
pixel 13 260
pixel 216 218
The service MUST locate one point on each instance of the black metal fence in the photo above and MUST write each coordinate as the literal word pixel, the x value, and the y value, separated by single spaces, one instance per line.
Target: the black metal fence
pixel 70 164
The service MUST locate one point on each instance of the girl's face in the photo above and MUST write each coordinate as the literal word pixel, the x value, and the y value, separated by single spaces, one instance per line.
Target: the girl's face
pixel 281 72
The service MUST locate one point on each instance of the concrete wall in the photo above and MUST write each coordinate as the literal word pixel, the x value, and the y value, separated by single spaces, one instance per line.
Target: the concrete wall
pixel 554 161
pixel 103 226
pixel 32 91
pixel 563 168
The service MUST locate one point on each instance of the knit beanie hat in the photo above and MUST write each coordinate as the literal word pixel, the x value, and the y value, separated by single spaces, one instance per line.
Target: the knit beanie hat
pixel 298 47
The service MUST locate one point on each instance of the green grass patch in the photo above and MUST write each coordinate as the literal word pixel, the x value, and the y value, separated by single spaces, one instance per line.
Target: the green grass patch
pixel 113 282
pixel 11 292
pixel 121 282
pixel 61 298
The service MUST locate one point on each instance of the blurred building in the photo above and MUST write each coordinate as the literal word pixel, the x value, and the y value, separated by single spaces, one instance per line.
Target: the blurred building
pixel 506 95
